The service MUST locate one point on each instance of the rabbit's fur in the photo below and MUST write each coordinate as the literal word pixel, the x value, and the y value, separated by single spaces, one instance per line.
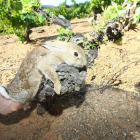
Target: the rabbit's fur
pixel 43 61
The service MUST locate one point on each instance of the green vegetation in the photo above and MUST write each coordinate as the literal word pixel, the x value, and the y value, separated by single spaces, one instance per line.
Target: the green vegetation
pixel 82 9
pixel 104 3
pixel 64 34
pixel 116 21
pixel 17 16
pixel 76 10
pixel 116 11
pixel 137 15
pixel 113 12
pixel 67 35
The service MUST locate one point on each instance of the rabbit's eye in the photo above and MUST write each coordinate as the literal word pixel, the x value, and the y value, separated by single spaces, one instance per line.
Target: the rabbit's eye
pixel 75 53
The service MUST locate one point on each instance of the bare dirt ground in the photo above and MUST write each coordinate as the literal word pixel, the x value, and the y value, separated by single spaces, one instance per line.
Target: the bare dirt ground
pixel 113 115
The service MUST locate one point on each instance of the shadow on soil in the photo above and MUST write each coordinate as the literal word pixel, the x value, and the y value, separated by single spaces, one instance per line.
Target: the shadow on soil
pixel 15 117
pixel 114 114
pixel 53 106
pixel 59 104
pixel 43 39
pixel 79 22
pixel 88 115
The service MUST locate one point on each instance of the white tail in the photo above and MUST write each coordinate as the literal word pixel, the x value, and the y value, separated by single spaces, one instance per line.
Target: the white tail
pixel 3 92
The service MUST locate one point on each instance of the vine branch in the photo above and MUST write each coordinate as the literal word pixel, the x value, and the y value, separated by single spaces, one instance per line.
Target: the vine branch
pixel 106 85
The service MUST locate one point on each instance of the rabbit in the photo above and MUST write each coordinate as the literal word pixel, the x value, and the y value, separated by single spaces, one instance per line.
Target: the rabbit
pixel 42 61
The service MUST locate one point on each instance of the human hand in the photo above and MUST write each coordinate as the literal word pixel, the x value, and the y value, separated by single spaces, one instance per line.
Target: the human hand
pixel 8 106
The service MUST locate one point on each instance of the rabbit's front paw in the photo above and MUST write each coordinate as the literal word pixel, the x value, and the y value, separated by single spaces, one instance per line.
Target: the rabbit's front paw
pixel 57 89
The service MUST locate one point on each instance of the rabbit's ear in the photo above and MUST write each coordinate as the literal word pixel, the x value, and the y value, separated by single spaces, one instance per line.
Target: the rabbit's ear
pixel 54 46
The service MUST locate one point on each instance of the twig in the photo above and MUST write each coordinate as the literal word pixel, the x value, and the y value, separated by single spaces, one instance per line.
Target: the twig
pixel 106 85
pixel 8 68
pixel 92 89
pixel 125 2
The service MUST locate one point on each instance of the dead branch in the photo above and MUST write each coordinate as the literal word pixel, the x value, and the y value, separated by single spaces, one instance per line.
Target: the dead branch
pixel 125 2
pixel 9 68
pixel 123 68
pixel 106 85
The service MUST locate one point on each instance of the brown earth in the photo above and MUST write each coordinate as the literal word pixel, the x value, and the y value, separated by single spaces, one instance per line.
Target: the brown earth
pixel 87 115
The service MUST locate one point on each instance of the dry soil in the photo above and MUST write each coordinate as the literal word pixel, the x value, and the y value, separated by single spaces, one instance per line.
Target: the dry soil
pixel 86 115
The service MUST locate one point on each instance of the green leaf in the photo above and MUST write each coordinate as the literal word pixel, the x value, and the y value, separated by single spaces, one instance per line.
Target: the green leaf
pixel 136 19
pixel 114 16
pixel 41 18
pixel 86 53
pixel 92 45
pixel 137 11
pixel 80 42
pixel 120 7
pixel 48 11
pixel 118 41
pixel 61 37
pixel 88 46
pixel 30 16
